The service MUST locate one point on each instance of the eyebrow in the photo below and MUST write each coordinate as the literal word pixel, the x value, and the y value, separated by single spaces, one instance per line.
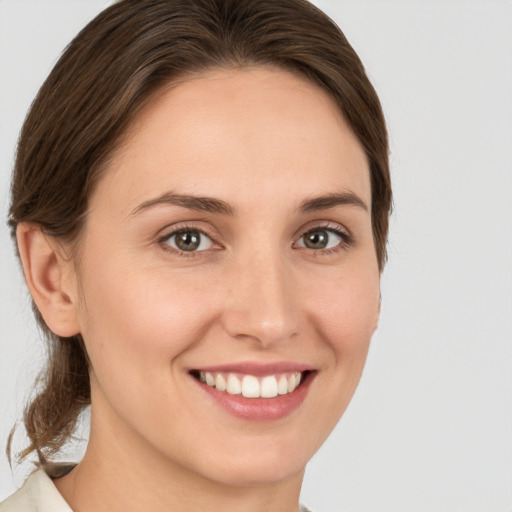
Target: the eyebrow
pixel 198 203
pixel 212 205
pixel 332 200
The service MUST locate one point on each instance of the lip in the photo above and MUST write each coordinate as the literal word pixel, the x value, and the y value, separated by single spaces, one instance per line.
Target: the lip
pixel 258 409
pixel 257 369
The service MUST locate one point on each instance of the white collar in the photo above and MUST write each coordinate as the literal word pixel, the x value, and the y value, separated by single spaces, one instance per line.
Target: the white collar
pixel 38 494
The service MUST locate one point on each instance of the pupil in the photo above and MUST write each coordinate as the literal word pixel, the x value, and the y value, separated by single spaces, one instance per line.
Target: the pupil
pixel 317 240
pixel 188 241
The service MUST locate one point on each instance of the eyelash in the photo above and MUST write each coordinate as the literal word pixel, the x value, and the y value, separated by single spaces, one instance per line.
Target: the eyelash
pixel 346 238
pixel 162 241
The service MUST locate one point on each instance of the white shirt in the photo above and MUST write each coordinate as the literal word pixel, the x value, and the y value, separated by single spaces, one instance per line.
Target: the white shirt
pixel 39 494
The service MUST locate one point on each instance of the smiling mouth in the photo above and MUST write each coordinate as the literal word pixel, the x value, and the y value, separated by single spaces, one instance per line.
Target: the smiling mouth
pixel 250 386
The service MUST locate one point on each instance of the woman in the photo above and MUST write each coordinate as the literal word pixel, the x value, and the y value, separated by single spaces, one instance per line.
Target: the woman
pixel 200 202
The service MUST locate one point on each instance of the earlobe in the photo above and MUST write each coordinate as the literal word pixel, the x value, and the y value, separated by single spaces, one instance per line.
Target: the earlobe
pixel 44 273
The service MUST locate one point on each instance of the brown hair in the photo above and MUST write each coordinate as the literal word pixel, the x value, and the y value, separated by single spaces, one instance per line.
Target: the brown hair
pixel 115 65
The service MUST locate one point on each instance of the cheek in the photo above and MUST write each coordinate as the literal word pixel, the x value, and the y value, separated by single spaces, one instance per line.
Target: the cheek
pixel 344 313
pixel 143 320
pixel 137 328
pixel 159 313
pixel 347 310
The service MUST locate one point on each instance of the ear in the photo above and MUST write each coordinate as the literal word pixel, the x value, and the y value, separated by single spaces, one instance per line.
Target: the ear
pixel 48 278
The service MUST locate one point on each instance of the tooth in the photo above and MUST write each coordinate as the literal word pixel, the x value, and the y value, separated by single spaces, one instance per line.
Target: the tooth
pixel 250 387
pixel 292 383
pixel 282 386
pixel 233 386
pixel 210 380
pixel 220 382
pixel 269 387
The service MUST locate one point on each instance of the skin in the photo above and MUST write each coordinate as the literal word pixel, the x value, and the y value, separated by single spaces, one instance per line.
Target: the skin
pixel 263 141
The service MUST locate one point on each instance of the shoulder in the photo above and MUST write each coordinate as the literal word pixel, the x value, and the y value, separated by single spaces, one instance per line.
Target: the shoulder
pixel 25 499
pixel 303 508
pixel 38 494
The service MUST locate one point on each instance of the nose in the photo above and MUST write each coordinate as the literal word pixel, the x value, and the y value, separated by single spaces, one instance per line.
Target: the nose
pixel 262 304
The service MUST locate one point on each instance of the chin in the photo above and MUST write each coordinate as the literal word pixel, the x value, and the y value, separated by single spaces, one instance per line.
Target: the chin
pixel 255 474
pixel 265 463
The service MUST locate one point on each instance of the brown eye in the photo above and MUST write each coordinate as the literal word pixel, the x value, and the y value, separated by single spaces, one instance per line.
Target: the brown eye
pixel 320 238
pixel 189 240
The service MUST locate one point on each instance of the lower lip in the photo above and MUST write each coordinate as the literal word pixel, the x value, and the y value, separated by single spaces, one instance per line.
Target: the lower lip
pixel 260 409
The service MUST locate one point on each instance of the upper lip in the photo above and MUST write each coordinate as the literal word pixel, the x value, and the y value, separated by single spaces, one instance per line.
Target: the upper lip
pixel 257 369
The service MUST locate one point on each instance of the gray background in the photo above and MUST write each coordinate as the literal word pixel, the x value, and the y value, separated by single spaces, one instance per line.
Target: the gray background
pixel 430 427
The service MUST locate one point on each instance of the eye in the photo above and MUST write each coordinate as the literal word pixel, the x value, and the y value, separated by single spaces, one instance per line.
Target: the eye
pixel 188 240
pixel 321 238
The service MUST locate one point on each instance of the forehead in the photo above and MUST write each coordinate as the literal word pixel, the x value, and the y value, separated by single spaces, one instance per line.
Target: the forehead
pixel 234 134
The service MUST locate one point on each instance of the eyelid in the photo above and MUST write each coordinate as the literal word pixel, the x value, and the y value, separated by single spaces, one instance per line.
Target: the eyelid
pixel 175 229
pixel 347 239
pixel 325 224
pixel 338 229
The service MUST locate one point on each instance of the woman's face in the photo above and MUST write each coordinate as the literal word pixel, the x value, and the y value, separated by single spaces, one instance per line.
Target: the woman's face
pixel 230 240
